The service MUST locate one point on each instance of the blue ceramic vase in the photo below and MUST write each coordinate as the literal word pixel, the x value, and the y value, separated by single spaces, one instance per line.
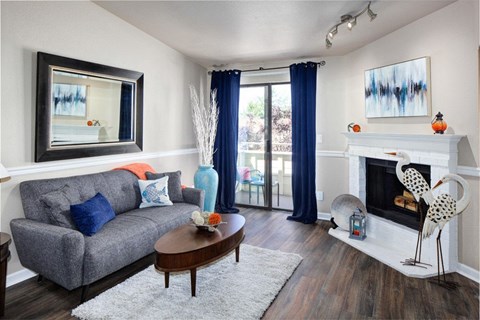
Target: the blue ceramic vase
pixel 206 178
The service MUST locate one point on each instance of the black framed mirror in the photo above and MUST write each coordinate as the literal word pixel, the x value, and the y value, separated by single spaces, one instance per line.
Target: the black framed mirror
pixel 86 109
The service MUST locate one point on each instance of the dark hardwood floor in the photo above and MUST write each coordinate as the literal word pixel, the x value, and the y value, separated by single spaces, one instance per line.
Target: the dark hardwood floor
pixel 334 281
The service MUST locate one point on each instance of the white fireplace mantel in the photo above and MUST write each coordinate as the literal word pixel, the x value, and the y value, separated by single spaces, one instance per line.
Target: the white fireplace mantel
pixel 425 144
pixel 388 241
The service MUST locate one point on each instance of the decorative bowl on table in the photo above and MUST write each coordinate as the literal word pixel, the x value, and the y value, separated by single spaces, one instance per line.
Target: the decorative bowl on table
pixel 206 220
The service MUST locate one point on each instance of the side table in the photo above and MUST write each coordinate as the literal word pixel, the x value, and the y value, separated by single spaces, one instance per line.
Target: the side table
pixel 5 241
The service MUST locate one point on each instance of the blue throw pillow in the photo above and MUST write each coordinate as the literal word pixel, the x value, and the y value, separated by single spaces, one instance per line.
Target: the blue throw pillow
pixel 91 216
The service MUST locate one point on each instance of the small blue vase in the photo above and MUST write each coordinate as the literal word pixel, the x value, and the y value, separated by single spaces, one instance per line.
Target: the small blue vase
pixel 206 178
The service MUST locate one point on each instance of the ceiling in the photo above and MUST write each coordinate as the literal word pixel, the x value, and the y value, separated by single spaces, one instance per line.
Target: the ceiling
pixel 246 32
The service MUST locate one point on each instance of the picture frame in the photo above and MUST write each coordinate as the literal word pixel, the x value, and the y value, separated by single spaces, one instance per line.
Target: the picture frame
pixel 399 90
pixel 69 100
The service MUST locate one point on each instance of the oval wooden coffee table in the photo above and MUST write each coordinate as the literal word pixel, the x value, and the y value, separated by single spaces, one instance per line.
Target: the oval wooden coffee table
pixel 187 247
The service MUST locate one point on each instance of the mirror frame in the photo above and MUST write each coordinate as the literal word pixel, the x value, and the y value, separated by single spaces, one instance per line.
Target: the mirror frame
pixel 43 149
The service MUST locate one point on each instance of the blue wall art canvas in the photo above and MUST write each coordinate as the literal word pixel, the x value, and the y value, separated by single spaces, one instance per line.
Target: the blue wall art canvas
pixel 398 90
pixel 69 100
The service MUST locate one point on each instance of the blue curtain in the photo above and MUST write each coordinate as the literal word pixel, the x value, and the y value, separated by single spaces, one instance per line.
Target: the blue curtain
pixel 125 129
pixel 227 84
pixel 303 81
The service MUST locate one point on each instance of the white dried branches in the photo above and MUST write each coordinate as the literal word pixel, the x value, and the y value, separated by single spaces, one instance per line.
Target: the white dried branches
pixel 205 125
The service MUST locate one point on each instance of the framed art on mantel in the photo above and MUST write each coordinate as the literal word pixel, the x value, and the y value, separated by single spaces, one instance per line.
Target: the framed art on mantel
pixel 398 90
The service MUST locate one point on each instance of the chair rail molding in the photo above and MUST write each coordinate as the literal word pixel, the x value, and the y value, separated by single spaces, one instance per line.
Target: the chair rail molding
pixel 331 154
pixel 469 171
pixel 91 162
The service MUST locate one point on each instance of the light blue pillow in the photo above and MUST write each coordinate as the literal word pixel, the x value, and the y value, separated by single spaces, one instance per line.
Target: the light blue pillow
pixel 91 215
pixel 154 193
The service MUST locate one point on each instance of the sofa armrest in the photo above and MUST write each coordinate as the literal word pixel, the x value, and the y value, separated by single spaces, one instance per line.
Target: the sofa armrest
pixel 194 196
pixel 54 252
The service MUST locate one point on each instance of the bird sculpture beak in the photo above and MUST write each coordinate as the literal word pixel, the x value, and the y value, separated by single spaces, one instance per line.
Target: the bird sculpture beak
pixel 391 153
pixel 438 184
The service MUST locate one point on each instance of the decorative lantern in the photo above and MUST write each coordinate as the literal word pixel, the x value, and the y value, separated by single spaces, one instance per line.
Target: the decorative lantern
pixel 358 225
pixel 438 124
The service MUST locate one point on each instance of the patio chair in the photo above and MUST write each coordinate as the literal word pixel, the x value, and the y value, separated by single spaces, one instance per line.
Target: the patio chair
pixel 254 177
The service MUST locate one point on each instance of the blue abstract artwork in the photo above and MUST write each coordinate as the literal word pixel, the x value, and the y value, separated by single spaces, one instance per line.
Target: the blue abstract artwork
pixel 69 100
pixel 399 90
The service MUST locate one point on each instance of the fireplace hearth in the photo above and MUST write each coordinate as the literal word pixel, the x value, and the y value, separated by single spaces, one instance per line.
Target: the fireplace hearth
pixel 386 196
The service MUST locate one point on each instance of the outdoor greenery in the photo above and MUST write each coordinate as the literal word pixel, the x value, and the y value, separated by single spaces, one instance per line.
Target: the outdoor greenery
pixel 252 125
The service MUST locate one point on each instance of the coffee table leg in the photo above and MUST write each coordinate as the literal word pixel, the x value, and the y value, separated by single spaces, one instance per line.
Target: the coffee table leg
pixel 237 253
pixel 193 280
pixel 167 277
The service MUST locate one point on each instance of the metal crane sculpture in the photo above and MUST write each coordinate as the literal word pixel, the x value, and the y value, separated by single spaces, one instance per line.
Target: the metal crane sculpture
pixel 442 209
pixel 416 184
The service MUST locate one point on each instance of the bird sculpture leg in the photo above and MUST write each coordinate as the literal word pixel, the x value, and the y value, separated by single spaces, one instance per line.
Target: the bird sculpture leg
pixel 438 257
pixel 418 250
pixel 444 283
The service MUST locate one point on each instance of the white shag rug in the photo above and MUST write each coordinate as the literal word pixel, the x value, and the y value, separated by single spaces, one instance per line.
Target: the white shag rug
pixel 225 290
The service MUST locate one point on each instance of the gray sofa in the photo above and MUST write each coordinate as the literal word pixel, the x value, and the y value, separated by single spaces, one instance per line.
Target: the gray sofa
pixel 69 258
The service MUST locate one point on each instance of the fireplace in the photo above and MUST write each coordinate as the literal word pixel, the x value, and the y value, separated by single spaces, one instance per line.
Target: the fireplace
pixel 390 241
pixel 386 196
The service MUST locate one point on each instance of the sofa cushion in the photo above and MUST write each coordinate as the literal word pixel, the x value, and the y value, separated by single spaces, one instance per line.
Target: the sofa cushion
pixel 166 218
pixel 154 193
pixel 91 215
pixel 58 203
pixel 123 193
pixel 174 184
pixel 121 242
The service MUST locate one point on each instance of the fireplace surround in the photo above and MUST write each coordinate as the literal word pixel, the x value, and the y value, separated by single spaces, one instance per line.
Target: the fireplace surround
pixel 388 241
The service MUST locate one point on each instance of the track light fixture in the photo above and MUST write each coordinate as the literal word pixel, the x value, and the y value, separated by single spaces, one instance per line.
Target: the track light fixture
pixel 370 13
pixel 351 24
pixel 350 20
pixel 332 33
pixel 328 43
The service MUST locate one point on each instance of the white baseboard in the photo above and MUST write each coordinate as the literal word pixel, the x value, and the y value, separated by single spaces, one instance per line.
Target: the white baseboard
pixel 19 276
pixel 468 272
pixel 324 216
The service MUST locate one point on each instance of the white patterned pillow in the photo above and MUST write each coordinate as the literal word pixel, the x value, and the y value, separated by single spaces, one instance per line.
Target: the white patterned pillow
pixel 154 193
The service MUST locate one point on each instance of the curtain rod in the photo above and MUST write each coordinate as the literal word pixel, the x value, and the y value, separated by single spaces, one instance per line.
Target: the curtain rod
pixel 321 63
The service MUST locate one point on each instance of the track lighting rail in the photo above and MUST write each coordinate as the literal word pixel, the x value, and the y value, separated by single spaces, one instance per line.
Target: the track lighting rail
pixel 350 20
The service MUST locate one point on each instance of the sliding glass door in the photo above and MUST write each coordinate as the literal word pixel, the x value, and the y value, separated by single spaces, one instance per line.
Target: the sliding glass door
pixel 264 165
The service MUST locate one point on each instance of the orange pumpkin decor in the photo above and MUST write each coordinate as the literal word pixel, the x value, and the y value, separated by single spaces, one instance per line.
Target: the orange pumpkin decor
pixel 355 127
pixel 214 218
pixel 438 124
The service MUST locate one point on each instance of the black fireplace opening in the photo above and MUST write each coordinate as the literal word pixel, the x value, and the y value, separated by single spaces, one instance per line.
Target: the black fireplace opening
pixel 387 197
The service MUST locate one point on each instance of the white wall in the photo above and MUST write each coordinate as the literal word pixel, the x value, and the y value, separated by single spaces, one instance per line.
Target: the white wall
pixel 450 37
pixel 85 31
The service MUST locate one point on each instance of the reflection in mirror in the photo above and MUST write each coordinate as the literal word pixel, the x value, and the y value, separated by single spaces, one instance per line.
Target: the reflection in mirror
pixel 86 109
pixel 90 109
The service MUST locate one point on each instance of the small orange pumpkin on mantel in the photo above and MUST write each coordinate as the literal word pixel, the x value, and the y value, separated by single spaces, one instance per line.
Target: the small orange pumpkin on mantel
pixel 355 127
pixel 438 124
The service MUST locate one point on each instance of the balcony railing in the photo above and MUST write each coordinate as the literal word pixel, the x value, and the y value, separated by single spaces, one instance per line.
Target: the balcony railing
pixel 281 165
